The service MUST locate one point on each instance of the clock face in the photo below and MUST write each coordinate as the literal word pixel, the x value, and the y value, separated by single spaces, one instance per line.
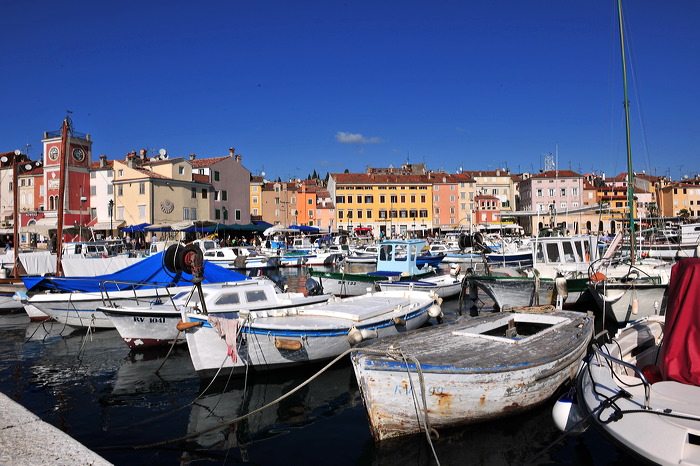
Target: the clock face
pixel 78 154
pixel 53 153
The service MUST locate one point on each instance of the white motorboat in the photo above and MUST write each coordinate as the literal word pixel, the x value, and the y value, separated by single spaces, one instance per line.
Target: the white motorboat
pixel 642 388
pixel 156 325
pixel 469 370
pixel 444 286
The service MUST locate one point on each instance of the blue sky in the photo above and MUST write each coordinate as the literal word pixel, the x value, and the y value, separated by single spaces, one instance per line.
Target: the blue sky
pixel 298 86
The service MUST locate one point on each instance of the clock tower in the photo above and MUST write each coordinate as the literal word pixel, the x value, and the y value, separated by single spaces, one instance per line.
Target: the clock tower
pixel 76 161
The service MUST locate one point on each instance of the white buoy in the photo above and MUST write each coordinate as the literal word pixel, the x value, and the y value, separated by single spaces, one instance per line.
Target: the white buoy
pixel 635 307
pixel 566 414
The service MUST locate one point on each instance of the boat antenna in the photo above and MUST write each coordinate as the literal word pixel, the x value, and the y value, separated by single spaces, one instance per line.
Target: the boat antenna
pixel 630 173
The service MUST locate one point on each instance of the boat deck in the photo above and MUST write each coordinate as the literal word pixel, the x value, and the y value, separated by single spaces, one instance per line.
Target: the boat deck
pixel 488 349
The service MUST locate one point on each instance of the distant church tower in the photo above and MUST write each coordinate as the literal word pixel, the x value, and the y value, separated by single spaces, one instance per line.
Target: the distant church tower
pixel 78 158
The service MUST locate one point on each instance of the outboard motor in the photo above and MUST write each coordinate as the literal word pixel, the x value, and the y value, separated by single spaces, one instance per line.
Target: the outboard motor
pixel 313 287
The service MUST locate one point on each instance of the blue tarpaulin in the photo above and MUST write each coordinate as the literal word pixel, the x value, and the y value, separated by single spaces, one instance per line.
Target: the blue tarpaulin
pixel 304 228
pixel 135 228
pixel 147 273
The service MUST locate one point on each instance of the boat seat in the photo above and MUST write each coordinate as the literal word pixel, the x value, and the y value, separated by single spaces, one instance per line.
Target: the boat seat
pixel 678 392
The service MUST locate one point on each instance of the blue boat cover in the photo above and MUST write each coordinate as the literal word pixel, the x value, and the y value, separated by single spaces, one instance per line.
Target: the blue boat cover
pixel 147 273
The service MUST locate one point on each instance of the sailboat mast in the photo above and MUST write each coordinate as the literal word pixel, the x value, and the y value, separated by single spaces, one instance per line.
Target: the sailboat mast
pixel 630 173
pixel 61 197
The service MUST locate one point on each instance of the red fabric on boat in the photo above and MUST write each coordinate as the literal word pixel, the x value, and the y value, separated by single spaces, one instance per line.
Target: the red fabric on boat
pixel 680 350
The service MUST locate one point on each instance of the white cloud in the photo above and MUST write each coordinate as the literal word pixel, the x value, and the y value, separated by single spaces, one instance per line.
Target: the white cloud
pixel 350 138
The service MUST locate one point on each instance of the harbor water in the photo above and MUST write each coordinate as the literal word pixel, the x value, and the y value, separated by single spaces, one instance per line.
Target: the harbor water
pixel 145 408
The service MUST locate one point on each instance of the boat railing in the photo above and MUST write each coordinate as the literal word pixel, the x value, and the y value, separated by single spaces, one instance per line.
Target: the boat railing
pixel 635 369
pixel 162 290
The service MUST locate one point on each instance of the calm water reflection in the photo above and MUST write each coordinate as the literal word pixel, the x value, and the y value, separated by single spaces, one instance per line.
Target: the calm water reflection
pixel 114 400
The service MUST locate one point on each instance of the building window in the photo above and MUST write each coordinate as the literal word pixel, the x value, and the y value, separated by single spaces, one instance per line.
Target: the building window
pixel 216 175
pixel 93 175
pixel 539 193
pixel 224 195
pixel 217 214
pixel 181 170
pixel 204 193
pixel 110 188
pixel 110 173
pixel 120 190
pixel 120 213
pixel 238 214
pixel 194 193
pixel 93 190
pixel 120 172
pixel 142 188
pixel 142 211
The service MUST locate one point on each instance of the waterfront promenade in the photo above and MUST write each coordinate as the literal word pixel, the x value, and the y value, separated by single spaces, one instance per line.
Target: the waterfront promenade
pixel 27 440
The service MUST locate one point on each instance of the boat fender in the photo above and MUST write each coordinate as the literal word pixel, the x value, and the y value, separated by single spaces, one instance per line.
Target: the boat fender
pixel 566 414
pixel 182 326
pixel 400 321
pixel 354 336
pixel 289 345
pixel 635 306
pixel 435 311
pixel 597 277
pixel 560 283
pixel 455 269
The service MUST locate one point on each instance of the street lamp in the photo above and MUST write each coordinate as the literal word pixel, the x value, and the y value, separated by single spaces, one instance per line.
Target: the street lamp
pixel 110 209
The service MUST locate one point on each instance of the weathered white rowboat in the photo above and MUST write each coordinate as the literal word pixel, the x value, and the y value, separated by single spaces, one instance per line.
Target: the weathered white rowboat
pixel 470 370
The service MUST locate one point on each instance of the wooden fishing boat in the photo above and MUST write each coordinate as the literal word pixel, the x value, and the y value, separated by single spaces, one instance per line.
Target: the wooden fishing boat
pixel 397 260
pixel 469 370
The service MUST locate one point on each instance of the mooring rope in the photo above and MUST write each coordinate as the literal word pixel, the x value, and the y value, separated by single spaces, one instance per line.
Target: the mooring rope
pixel 389 353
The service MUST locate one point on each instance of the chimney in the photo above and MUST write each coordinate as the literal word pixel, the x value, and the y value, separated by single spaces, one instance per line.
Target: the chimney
pixel 103 161
pixel 130 160
pixel 142 154
pixel 193 156
pixel 498 172
pixel 231 151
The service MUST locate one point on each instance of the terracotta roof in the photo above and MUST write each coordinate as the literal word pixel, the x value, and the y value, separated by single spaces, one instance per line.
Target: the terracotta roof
pixel 200 163
pixel 34 172
pixel 364 178
pixel 96 165
pixel 557 174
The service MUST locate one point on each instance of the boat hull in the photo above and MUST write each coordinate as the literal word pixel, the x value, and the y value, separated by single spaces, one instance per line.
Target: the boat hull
pixel 513 292
pixel 80 309
pixel 290 337
pixel 624 302
pixel 468 377
pixel 444 286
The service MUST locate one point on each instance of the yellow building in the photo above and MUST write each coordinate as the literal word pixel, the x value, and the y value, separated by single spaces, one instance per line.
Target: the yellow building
pixel 390 204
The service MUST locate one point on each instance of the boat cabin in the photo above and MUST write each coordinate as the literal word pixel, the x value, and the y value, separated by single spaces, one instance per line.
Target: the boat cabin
pixel 565 249
pixel 92 249
pixel 400 256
